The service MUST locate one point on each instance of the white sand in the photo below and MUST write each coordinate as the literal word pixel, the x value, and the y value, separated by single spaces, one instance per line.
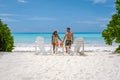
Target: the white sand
pixel 97 65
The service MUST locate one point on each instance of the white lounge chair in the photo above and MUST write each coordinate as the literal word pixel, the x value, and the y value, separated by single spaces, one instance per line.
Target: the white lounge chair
pixel 39 45
pixel 79 46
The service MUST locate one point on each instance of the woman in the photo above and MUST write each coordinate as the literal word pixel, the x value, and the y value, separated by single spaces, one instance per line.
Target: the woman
pixel 55 38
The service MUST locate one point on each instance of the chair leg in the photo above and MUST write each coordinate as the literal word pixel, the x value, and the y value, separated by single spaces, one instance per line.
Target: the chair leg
pixel 83 48
pixel 36 52
pixel 35 49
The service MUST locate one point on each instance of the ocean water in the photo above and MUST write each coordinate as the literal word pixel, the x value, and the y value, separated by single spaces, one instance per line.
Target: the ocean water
pixel 28 39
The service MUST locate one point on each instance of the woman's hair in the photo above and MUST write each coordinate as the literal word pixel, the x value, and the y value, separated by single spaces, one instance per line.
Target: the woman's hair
pixel 55 33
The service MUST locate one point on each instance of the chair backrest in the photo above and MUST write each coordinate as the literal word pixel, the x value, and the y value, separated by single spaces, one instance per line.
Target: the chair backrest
pixel 39 40
pixel 39 44
pixel 79 41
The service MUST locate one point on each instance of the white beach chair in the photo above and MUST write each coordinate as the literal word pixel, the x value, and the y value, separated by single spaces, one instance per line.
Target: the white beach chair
pixel 39 45
pixel 79 46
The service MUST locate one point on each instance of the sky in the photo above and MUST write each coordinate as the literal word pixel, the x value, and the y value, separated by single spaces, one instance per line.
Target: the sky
pixel 50 15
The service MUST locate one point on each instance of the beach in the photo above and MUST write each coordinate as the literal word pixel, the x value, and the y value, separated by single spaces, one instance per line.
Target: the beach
pixel 23 64
pixel 97 63
pixel 59 40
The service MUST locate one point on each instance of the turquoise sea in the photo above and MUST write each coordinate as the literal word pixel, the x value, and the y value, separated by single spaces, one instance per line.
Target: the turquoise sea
pixel 28 39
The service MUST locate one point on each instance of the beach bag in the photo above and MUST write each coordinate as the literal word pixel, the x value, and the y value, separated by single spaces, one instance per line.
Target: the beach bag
pixel 56 44
pixel 61 44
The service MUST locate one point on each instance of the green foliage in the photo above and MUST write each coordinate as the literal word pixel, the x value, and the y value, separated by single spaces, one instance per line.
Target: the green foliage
pixel 112 33
pixel 117 50
pixel 6 40
pixel 118 6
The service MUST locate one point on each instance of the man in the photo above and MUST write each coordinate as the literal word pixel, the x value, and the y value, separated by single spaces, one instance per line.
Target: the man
pixel 69 40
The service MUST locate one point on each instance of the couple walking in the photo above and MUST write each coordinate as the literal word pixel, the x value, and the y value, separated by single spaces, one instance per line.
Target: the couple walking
pixel 68 38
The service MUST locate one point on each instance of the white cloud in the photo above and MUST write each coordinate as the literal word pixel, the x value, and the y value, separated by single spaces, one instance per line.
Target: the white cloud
pixel 9 19
pixel 22 1
pixel 99 1
pixel 103 19
pixel 97 21
pixel 103 25
pixel 113 13
pixel 42 19
pixel 88 22
pixel 7 14
pixel 110 6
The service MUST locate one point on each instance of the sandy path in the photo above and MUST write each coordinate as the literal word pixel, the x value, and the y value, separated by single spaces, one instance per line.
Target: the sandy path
pixel 28 66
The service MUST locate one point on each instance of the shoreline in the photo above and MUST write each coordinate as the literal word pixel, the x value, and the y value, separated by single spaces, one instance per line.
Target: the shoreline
pixel 86 48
